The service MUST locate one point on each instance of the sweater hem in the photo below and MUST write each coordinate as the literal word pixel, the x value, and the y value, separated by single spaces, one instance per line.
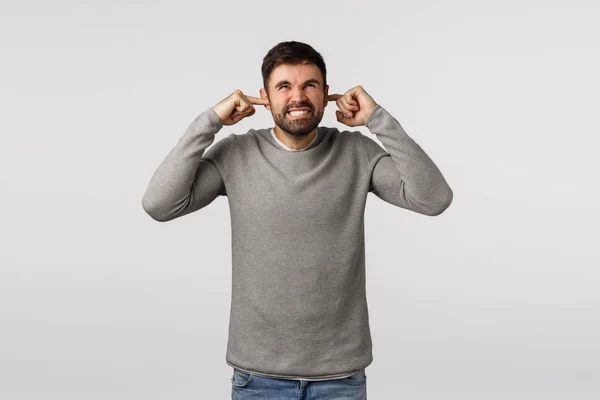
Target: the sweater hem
pixel 293 377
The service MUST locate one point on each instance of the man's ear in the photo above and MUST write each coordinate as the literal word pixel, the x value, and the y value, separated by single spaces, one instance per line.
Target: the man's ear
pixel 326 94
pixel 263 95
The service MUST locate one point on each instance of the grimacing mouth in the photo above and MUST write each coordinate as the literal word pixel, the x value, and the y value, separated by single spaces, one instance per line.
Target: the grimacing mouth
pixel 307 109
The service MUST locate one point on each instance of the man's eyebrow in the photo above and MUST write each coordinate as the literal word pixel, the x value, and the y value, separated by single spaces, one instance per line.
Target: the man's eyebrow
pixel 305 82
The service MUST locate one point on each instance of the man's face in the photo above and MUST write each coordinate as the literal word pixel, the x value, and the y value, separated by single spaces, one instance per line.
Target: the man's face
pixel 296 87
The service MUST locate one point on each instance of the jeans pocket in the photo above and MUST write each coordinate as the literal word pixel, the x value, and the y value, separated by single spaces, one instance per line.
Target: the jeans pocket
pixel 240 378
pixel 358 378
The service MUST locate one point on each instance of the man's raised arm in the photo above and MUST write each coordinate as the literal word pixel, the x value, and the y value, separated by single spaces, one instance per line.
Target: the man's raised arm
pixel 406 177
pixel 189 179
pixel 403 174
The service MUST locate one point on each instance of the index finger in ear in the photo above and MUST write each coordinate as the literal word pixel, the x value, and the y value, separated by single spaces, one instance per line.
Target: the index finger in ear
pixel 257 100
pixel 334 97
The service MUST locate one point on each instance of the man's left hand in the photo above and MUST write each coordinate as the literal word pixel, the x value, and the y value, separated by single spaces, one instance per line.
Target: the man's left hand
pixel 355 106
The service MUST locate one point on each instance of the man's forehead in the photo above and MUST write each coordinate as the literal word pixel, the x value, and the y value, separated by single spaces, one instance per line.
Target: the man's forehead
pixel 295 73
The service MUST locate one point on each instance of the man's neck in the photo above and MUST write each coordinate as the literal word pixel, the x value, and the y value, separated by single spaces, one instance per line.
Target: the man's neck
pixel 292 142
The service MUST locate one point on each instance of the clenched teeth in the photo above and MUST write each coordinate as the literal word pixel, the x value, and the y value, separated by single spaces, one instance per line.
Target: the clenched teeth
pixel 294 113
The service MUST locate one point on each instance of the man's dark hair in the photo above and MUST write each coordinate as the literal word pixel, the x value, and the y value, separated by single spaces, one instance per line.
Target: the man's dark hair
pixel 291 53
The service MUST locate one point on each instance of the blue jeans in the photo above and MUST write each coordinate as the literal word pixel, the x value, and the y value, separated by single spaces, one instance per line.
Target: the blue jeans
pixel 250 386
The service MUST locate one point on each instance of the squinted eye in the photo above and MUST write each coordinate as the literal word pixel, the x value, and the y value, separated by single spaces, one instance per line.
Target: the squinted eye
pixel 283 86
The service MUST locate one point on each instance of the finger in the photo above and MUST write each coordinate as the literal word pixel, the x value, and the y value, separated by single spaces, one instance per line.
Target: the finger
pixel 242 114
pixel 334 97
pixel 349 96
pixel 345 103
pixel 238 117
pixel 344 108
pixel 257 100
pixel 244 110
pixel 243 105
pixel 345 111
pixel 341 118
pixel 348 103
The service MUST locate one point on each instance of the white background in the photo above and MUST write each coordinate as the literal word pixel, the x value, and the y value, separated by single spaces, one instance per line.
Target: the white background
pixel 497 298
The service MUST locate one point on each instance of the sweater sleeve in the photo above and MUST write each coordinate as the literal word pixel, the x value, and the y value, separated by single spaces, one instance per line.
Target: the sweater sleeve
pixel 189 178
pixel 404 175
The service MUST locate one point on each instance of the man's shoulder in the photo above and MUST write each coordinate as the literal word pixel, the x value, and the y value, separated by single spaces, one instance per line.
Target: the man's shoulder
pixel 251 136
pixel 348 136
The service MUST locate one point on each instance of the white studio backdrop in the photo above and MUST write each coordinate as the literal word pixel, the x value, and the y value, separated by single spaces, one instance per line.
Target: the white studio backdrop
pixel 497 298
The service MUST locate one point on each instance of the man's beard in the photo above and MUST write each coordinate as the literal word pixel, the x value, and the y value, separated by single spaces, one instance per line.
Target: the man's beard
pixel 301 126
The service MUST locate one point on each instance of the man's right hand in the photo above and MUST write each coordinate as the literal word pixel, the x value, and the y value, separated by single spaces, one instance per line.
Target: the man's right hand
pixel 236 107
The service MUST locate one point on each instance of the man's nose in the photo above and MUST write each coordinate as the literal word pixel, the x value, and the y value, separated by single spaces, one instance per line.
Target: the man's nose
pixel 298 95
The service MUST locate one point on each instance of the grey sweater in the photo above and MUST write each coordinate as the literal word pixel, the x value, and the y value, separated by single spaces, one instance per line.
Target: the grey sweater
pixel 298 299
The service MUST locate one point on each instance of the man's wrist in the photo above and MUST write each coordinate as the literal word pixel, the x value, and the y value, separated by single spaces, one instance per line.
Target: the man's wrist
pixel 373 115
